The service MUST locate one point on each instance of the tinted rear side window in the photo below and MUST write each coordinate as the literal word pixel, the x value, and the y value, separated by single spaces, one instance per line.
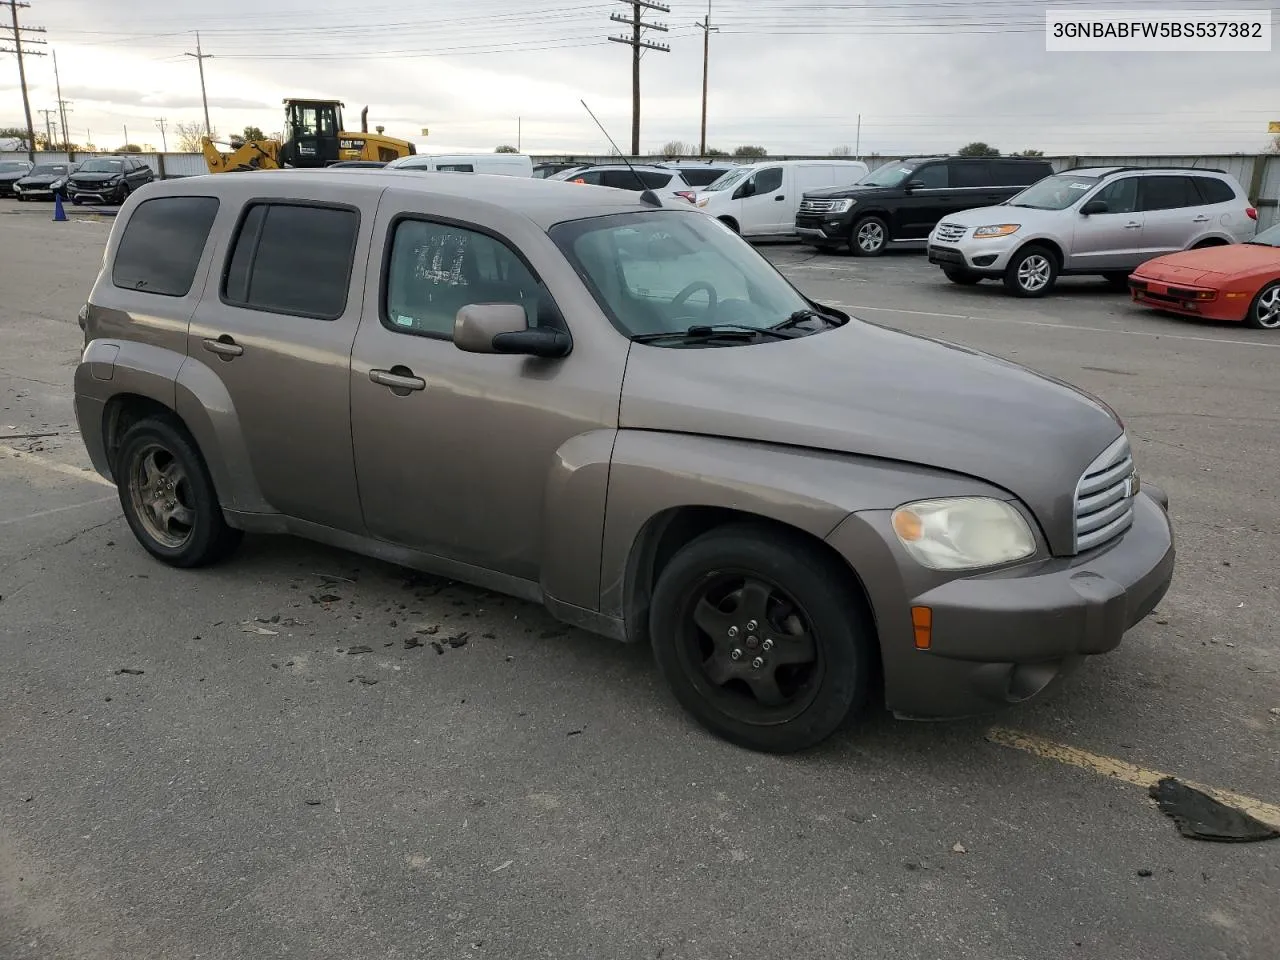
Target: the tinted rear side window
pixel 1167 193
pixel 1213 190
pixel 162 245
pixel 294 259
pixel 698 177
pixel 970 173
pixel 1010 173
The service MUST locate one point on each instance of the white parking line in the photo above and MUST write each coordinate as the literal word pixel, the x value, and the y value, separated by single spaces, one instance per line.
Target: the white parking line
pixel 1042 323
pixel 47 513
pixel 56 467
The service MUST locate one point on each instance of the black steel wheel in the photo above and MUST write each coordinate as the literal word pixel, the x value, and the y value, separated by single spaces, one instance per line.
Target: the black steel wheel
pixel 762 638
pixel 168 497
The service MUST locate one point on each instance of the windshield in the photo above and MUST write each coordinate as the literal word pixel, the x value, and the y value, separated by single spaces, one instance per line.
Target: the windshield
pixel 1269 237
pixel 101 166
pixel 729 179
pixel 12 167
pixel 664 272
pixel 890 175
pixel 48 169
pixel 1054 193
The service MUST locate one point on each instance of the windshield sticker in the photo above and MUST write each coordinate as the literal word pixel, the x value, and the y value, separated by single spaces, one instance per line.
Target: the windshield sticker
pixel 404 321
pixel 1078 186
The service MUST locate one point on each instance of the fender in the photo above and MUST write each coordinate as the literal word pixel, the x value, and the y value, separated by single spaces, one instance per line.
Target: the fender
pixel 573 519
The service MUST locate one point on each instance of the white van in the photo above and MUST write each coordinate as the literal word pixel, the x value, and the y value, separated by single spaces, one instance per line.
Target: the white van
pixel 762 199
pixel 502 164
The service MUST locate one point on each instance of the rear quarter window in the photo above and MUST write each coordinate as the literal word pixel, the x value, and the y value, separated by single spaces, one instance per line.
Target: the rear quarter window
pixel 1213 190
pixel 162 245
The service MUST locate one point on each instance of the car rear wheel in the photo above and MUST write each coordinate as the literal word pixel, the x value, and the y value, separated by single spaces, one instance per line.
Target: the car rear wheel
pixel 869 237
pixel 963 277
pixel 1032 272
pixel 1264 312
pixel 168 497
pixel 761 639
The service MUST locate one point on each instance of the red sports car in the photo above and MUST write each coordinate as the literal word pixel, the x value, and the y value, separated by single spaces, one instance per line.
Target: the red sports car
pixel 1239 281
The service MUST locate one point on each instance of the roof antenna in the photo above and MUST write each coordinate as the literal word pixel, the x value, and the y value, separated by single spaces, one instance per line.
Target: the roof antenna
pixel 647 196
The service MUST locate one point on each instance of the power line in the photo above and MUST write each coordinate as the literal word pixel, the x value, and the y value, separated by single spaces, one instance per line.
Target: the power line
pixel 637 43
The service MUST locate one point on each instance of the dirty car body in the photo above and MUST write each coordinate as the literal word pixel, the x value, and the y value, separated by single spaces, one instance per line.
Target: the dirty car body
pixel 622 412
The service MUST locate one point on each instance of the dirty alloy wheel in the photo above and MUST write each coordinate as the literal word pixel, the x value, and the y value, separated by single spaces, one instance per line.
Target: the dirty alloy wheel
pixel 869 237
pixel 168 498
pixel 1032 272
pixel 759 638
pixel 1264 312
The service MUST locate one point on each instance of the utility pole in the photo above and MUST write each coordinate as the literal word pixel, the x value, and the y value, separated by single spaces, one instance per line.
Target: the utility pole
pixel 519 132
pixel 62 104
pixel 164 143
pixel 707 30
pixel 201 57
pixel 637 44
pixel 48 128
pixel 857 143
pixel 18 40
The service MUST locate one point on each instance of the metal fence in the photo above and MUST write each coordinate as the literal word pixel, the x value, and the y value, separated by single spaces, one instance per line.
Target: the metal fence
pixel 1258 174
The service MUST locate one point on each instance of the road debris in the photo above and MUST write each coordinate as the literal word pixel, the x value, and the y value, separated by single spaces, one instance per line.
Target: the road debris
pixel 356 651
pixel 959 848
pixel 130 671
pixel 1201 817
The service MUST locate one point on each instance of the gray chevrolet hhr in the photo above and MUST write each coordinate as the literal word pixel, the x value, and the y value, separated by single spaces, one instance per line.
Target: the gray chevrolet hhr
pixel 582 397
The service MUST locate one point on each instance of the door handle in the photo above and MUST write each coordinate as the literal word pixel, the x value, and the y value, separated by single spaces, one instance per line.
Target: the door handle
pixel 398 378
pixel 1132 226
pixel 224 347
pixel 779 198
pixel 1200 219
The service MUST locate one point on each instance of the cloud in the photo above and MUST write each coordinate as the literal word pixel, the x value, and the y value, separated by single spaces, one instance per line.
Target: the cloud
pixel 172 101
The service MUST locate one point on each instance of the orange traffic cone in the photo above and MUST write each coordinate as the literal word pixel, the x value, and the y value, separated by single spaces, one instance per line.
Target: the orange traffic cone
pixel 58 213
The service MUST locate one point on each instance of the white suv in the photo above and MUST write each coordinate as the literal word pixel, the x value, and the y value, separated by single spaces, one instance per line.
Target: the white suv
pixel 1092 220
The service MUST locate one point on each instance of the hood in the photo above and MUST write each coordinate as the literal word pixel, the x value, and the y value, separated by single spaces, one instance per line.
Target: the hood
pixel 1030 217
pixel 853 190
pixel 870 391
pixel 1220 261
pixel 43 180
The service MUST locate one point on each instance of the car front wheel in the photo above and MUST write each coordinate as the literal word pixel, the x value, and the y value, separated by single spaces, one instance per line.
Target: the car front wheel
pixel 168 497
pixel 761 639
pixel 869 238
pixel 1264 312
pixel 1032 272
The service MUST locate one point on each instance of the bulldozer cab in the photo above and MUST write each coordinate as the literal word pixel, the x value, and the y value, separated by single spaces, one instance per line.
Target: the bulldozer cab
pixel 311 129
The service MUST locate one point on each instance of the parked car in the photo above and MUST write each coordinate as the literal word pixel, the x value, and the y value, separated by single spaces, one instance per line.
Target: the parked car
pixel 11 171
pixel 699 173
pixel 45 181
pixel 549 168
pixel 1238 282
pixel 900 203
pixel 499 164
pixel 501 387
pixel 761 199
pixel 1092 220
pixel 108 179
pixel 637 177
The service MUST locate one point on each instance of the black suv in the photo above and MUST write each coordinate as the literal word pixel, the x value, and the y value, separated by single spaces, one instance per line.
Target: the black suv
pixel 901 202
pixel 108 179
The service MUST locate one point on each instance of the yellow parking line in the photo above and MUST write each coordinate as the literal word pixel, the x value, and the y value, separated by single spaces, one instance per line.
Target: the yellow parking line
pixel 1125 772
pixel 53 465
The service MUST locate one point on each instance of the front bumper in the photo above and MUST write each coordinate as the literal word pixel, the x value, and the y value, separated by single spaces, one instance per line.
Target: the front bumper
pixel 103 194
pixel 6 188
pixel 824 229
pixel 986 258
pixel 1190 300
pixel 1004 637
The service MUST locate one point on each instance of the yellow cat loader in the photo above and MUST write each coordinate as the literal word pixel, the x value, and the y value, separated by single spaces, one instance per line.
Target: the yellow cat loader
pixel 313 138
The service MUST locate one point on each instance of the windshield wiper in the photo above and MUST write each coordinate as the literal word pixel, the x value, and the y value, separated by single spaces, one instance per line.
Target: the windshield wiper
pixel 713 331
pixel 800 316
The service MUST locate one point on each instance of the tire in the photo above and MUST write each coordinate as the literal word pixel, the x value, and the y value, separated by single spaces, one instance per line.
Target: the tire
pixel 794 592
pixel 196 533
pixel 1264 312
pixel 869 237
pixel 1032 272
pixel 21 198
pixel 122 194
pixel 1119 281
pixel 962 277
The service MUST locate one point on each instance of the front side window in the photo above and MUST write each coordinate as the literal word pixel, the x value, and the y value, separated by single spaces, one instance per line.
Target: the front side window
pixel 162 245
pixel 768 180
pixel 1120 196
pixel 666 271
pixel 1054 193
pixel 436 269
pixel 292 259
pixel 932 176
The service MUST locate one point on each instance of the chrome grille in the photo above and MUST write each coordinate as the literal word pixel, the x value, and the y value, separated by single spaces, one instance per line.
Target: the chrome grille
pixel 817 206
pixel 1104 497
pixel 950 232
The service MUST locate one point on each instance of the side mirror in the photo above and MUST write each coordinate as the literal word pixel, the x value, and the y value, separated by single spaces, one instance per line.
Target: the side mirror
pixel 1094 206
pixel 503 328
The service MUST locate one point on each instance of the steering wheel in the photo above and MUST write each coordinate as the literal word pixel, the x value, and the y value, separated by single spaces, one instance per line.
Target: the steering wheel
pixel 691 289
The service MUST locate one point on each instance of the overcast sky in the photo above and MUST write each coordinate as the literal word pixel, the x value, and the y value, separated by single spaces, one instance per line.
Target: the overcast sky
pixel 790 75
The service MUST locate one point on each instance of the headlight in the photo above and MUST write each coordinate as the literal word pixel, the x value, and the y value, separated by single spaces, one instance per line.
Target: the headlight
pixel 842 206
pixel 57 184
pixel 996 230
pixel 963 533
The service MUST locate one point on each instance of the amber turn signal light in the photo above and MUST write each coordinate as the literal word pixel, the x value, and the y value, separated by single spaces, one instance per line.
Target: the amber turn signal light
pixel 922 623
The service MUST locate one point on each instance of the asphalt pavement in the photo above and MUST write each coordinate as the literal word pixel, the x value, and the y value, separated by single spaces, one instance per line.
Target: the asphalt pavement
pixel 303 753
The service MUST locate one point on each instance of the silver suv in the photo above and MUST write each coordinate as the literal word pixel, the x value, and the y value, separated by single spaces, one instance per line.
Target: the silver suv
pixel 1092 220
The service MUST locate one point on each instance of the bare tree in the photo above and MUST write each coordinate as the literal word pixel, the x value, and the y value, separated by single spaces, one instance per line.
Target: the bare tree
pixel 1275 145
pixel 188 136
pixel 842 151
pixel 677 148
